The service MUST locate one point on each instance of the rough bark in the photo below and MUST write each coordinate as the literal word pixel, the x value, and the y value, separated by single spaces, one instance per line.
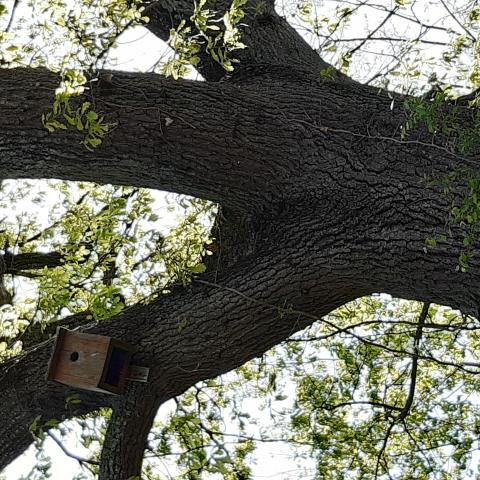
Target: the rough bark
pixel 299 266
pixel 324 202
pixel 16 264
pixel 134 413
pixel 233 322
pixel 162 151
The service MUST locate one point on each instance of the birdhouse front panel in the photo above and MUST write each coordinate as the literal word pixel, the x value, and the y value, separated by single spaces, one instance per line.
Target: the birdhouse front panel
pixel 91 362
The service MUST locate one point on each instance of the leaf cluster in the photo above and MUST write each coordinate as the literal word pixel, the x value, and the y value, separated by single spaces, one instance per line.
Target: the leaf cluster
pixel 218 37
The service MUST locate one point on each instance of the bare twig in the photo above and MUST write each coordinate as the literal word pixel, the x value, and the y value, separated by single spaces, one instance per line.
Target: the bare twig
pixel 462 26
pixel 374 31
pixel 12 15
pixel 79 459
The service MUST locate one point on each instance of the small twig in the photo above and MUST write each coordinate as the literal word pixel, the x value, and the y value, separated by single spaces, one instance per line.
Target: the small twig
pixel 388 139
pixel 358 402
pixel 415 443
pixel 79 459
pixel 388 39
pixel 462 26
pixel 373 32
pixel 12 15
pixel 382 450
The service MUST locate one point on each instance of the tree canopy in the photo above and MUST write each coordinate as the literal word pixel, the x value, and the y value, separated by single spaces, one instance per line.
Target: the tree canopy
pixel 311 283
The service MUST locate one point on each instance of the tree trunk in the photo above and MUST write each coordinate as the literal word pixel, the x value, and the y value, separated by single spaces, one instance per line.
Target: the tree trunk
pixel 134 413
pixel 333 203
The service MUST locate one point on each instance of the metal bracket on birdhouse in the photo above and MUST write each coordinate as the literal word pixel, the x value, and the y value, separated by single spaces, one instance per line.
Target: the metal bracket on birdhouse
pixel 93 362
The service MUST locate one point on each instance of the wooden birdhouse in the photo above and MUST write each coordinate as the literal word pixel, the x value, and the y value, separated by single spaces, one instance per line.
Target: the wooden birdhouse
pixel 91 362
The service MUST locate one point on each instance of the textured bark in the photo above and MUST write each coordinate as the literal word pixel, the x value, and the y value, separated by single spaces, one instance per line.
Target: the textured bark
pixel 15 264
pixel 210 125
pixel 322 202
pixel 133 413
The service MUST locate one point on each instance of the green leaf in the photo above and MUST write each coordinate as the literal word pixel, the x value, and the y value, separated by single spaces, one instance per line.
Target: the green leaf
pixel 79 124
pixel 69 119
pixel 92 116
pixel 199 268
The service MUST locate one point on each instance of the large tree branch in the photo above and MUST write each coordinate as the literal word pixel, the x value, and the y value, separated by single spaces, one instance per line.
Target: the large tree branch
pixel 267 138
pixel 268 37
pixel 126 437
pixel 233 321
pixel 188 137
pixel 299 273
pixel 273 138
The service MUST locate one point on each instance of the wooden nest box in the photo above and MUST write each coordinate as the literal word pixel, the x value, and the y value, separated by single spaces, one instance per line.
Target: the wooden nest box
pixel 91 362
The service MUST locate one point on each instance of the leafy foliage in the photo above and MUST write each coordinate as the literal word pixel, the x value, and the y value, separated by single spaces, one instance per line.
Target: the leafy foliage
pixel 63 115
pixel 109 254
pixel 219 42
pixel 338 393
pixel 464 212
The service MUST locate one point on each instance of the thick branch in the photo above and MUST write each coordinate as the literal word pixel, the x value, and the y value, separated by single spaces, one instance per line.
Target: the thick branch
pixel 16 263
pixel 218 324
pixel 187 137
pixel 175 333
pixel 126 437
pixel 268 37
pixel 268 138
pixel 351 204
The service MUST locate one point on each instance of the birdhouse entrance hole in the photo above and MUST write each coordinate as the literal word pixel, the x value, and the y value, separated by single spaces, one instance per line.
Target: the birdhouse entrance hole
pixel 74 356
pixel 116 366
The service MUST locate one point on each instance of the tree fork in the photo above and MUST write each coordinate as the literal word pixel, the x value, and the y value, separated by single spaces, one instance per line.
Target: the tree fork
pixel 302 268
pixel 231 319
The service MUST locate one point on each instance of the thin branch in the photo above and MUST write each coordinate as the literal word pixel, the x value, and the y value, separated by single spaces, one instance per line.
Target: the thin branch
pixel 413 378
pixel 54 224
pixel 373 32
pixel 12 15
pixel 342 17
pixel 382 450
pixel 415 19
pixel 358 402
pixel 388 39
pixel 413 375
pixel 79 459
pixel 292 311
pixel 462 26
pixel 415 443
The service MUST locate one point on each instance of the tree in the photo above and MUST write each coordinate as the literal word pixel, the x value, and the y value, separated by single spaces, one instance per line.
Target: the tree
pixel 329 189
